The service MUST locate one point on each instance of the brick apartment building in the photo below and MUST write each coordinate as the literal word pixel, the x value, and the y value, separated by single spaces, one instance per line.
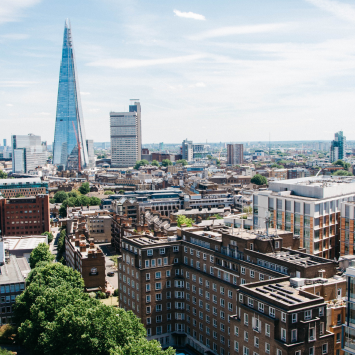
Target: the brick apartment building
pixel 217 290
pixel 347 219
pixel 88 259
pixel 26 187
pixel 24 215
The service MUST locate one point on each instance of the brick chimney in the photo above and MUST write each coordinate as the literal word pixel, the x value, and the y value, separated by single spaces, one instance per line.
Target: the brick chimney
pixel 92 246
pixel 77 242
pixel 82 247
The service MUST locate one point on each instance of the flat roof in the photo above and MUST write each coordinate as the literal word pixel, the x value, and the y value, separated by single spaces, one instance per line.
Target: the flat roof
pixel 11 272
pixel 22 181
pixel 282 292
pixel 24 242
pixel 299 258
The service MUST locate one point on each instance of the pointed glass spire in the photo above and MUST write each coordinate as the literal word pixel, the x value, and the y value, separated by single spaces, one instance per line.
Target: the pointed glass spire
pixel 69 110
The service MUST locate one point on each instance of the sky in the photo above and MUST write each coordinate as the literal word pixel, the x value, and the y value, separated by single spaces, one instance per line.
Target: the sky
pixel 227 70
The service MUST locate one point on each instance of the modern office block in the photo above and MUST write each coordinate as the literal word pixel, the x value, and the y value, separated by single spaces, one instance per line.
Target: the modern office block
pixel 69 113
pixel 234 154
pixel 126 139
pixel 91 152
pixel 28 153
pixel 187 150
pixel 5 143
pixel 337 147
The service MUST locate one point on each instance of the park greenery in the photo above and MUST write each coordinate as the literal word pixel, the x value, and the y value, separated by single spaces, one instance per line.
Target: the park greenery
pixel 342 173
pixel 3 175
pixel 342 163
pixel 155 163
pixel 109 192
pixel 49 235
pixel 166 162
pixel 277 166
pixel 184 220
pixel 181 161
pixel 258 179
pixel 140 163
pixel 40 253
pixel 84 188
pixel 55 316
pixel 73 199
pixel 61 245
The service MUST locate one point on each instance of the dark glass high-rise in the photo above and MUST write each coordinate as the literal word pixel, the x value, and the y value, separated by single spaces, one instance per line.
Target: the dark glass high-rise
pixel 69 112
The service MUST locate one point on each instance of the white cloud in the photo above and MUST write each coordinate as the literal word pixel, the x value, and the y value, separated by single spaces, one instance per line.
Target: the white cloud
pixel 191 15
pixel 10 9
pixel 238 30
pixel 44 113
pixel 83 93
pixel 118 63
pixel 341 10
pixel 15 36
pixel 198 85
pixel 9 105
pixel 16 84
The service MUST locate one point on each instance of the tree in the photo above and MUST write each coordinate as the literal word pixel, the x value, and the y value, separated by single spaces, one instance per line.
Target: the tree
pixel 342 163
pixel 141 163
pixel 109 192
pixel 181 161
pixel 259 180
pixel 84 188
pixel 342 173
pixel 154 163
pixel 143 347
pixel 74 193
pixel 51 200
pixel 60 196
pixel 61 244
pixel 277 166
pixel 5 352
pixel 209 156
pixel 121 192
pixel 49 235
pixel 40 253
pixel 184 220
pixel 19 195
pixel 248 209
pixel 62 211
pixel 95 201
pixel 166 162
pixel 3 175
pixel 84 200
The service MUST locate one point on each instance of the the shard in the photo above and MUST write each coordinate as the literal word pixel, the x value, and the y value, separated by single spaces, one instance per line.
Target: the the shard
pixel 69 113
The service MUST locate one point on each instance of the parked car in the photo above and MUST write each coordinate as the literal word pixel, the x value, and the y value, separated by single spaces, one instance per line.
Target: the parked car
pixel 110 273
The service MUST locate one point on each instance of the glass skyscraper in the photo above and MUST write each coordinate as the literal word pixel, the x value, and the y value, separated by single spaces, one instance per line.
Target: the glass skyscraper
pixel 69 113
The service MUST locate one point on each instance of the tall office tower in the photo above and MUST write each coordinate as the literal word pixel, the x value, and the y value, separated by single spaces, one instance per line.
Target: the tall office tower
pixel 161 147
pixel 91 153
pixel 69 120
pixel 235 154
pixel 126 137
pixel 5 143
pixel 337 147
pixel 187 150
pixel 28 153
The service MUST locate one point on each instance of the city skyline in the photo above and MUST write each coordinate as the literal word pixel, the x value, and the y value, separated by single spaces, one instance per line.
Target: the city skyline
pixel 254 67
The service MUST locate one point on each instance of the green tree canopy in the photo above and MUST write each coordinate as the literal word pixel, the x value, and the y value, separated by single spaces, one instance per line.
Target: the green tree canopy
pixel 62 211
pixel 3 175
pixel 40 253
pixel 95 201
pixel 84 200
pixel 84 188
pixel 109 192
pixel 121 192
pixel 184 220
pixel 277 166
pixel 55 316
pixel 141 163
pixel 49 235
pixel 259 180
pixel 342 163
pixel 74 193
pixel 343 173
pixel 60 196
pixel 181 161
pixel 154 163
pixel 166 162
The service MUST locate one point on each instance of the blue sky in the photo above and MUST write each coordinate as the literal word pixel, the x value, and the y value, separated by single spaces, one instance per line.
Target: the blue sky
pixel 227 70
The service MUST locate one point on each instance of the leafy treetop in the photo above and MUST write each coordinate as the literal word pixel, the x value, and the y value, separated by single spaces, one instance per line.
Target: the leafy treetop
pixel 84 188
pixel 184 220
pixel 259 180
pixel 40 253
pixel 166 162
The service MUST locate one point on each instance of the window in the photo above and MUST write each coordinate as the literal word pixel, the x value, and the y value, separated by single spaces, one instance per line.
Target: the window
pixel 242 270
pixel 321 311
pixel 272 312
pixel 245 350
pixel 158 308
pixel 176 260
pixel 147 287
pixel 311 351
pixel 267 330
pixel 236 346
pixel 250 302
pixel 150 252
pixel 148 310
pixel 175 248
pixel 162 251
pixel 158 275
pixel 147 277
pixel 147 298
pixel 246 336
pixel 321 328
pixel 294 317
pixel 256 342
pixel 283 317
pixel 165 260
pixel 236 331
pixel 261 307
pixel 283 334
pixel 246 318
pixel 252 274
pixel 307 315
pixel 312 334
pixel 240 297
pixel 293 335
pixel 278 352
pixel 158 285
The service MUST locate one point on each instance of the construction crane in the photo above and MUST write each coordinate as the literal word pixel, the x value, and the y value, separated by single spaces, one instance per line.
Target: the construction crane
pixel 79 148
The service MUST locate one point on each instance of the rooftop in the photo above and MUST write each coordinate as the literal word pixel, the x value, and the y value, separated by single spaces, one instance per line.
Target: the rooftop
pixel 11 272
pixel 24 243
pixel 24 181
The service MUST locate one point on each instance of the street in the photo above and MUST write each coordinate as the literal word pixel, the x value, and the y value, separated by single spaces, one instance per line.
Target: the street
pixel 108 250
